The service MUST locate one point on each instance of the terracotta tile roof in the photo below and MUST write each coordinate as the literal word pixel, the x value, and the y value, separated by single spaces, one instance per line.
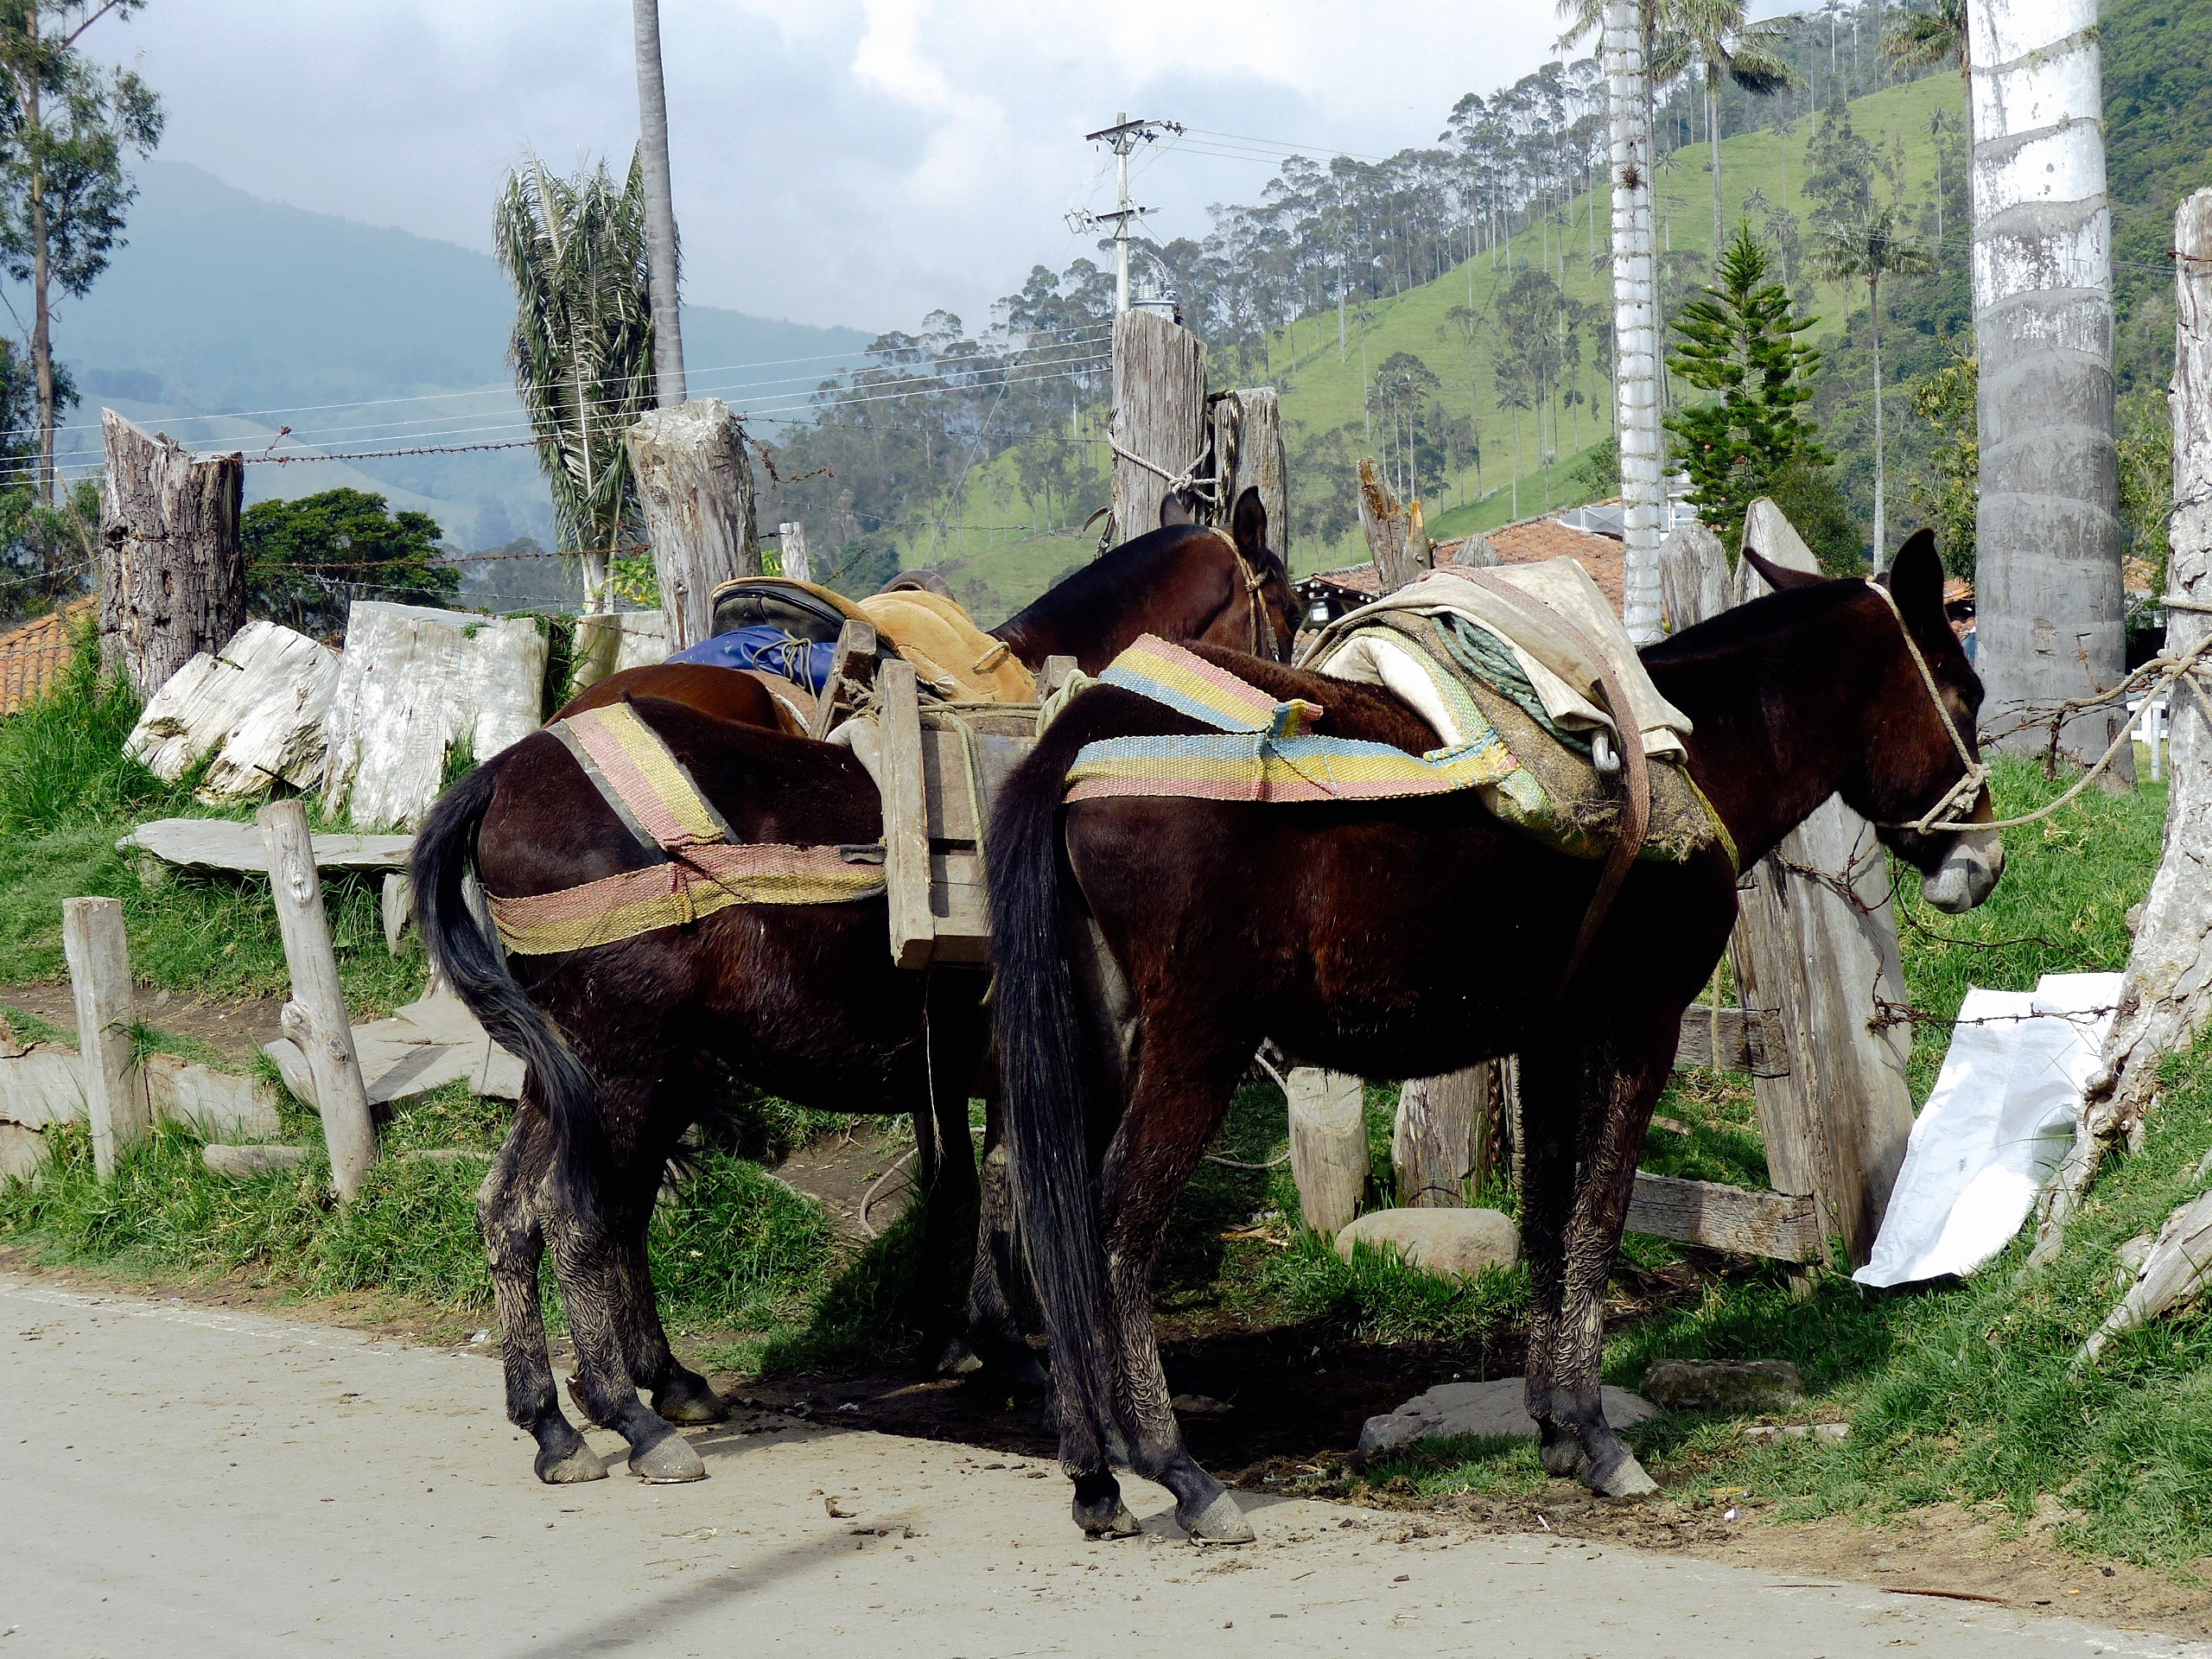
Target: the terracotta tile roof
pixel 32 655
pixel 1525 542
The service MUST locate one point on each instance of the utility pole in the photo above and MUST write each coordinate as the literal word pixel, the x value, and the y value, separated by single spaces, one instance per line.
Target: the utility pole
pixel 1122 137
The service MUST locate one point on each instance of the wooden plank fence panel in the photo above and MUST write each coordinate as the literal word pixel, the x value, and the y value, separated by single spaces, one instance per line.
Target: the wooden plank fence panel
pixel 1777 1225
pixel 1750 1043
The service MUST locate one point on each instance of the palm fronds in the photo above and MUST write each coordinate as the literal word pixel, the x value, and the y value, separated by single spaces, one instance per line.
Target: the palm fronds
pixel 581 351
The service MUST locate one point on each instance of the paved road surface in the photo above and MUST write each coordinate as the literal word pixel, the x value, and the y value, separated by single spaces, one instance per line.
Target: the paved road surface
pixel 181 1482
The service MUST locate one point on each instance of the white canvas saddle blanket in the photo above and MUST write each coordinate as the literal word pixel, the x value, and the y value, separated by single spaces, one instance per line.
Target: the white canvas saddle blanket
pixel 1353 648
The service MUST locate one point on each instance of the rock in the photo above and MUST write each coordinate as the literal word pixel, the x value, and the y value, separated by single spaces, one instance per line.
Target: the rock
pixel 1490 1409
pixel 236 848
pixel 256 707
pixel 397 904
pixel 245 1161
pixel 1748 1385
pixel 1826 1433
pixel 11 1047
pixel 607 642
pixel 21 1151
pixel 1458 1243
pixel 422 1047
pixel 43 1085
pixel 46 1086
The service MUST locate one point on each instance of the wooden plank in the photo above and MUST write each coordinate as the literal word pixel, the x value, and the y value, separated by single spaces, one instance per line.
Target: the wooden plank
pixel 852 665
pixel 1057 672
pixel 960 906
pixel 1771 1225
pixel 944 775
pixel 99 972
pixel 1328 1146
pixel 1748 1043
pixel 315 1017
pixel 238 849
pixel 905 815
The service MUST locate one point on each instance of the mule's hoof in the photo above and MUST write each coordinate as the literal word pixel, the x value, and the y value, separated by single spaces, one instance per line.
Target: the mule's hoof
pixel 689 1400
pixel 957 1359
pixel 582 1465
pixel 1119 1524
pixel 668 1461
pixel 1220 1522
pixel 1563 1457
pixel 1624 1479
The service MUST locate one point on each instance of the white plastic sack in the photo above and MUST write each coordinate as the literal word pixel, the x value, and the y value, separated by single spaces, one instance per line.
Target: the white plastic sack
pixel 1999 1121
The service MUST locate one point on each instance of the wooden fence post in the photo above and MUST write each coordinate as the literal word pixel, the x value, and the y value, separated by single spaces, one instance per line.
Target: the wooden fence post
pixel 1817 942
pixel 1160 415
pixel 315 1017
pixel 172 579
pixel 1390 531
pixel 694 483
pixel 1442 1134
pixel 99 973
pixel 1328 1146
pixel 1249 453
pixel 790 541
pixel 1693 577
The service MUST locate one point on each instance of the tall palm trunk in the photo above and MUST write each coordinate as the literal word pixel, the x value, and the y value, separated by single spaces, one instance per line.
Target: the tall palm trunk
pixel 1712 138
pixel 1635 332
pixel 1881 476
pixel 2047 532
pixel 660 206
pixel 41 282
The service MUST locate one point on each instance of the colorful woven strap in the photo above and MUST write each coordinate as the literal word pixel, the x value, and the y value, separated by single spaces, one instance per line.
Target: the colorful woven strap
pixel 1266 752
pixel 641 777
pixel 708 879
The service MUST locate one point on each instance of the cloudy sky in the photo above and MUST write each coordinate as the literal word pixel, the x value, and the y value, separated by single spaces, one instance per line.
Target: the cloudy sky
pixel 852 161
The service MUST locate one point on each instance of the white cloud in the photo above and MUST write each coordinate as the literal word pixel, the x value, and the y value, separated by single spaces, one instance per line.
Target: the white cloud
pixel 835 161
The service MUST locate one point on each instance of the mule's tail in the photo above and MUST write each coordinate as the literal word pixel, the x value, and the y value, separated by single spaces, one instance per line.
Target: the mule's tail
pixel 459 947
pixel 1040 1047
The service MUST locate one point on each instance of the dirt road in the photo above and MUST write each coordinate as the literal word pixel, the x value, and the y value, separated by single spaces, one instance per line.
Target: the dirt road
pixel 187 1481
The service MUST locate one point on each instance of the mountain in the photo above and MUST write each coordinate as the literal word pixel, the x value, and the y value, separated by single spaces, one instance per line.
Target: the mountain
pixel 227 317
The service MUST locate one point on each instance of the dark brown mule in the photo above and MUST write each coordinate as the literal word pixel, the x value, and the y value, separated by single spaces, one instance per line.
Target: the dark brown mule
pixel 799 999
pixel 1193 583
pixel 1144 952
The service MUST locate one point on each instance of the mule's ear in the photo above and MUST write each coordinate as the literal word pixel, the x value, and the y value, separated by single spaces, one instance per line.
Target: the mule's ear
pixel 1914 579
pixel 1781 577
pixel 1248 523
pixel 1175 509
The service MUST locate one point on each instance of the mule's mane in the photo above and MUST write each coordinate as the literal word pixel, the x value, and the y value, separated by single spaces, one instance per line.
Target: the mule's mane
pixel 1127 576
pixel 1760 622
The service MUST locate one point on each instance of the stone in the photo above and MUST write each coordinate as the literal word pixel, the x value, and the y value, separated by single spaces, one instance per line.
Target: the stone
pixel 1824 1433
pixel 42 1086
pixel 242 1162
pixel 253 710
pixel 21 1151
pixel 1490 1410
pixel 606 642
pixel 1456 1244
pixel 236 848
pixel 422 1047
pixel 1734 1385
pixel 46 1086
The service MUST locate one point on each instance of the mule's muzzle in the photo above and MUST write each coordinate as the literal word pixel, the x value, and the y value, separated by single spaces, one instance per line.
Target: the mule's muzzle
pixel 1967 874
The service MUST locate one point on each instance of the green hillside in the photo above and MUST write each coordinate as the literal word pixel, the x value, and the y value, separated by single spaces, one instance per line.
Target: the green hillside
pixel 993 557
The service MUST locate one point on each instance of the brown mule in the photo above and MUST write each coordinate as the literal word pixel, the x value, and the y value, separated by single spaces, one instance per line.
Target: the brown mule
pixel 802 1000
pixel 1146 946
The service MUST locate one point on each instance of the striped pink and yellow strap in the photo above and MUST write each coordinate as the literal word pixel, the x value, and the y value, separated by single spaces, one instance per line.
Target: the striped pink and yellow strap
pixel 708 879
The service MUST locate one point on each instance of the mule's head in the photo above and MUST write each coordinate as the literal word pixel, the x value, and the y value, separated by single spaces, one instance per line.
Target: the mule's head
pixel 1912 731
pixel 1277 615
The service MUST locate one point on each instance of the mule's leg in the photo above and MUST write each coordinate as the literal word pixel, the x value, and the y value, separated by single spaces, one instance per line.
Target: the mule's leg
pixel 1550 1105
pixel 587 1260
pixel 951 1196
pixel 516 1245
pixel 1175 1111
pixel 993 1330
pixel 679 1394
pixel 1623 1080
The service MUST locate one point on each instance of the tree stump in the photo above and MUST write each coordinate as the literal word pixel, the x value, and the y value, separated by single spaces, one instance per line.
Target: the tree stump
pixel 1390 531
pixel 791 542
pixel 1249 453
pixel 1442 1132
pixel 1159 429
pixel 1328 1146
pixel 695 485
pixel 172 579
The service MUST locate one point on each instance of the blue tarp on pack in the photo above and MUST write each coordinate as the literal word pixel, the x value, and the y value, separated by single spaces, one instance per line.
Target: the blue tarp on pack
pixel 769 649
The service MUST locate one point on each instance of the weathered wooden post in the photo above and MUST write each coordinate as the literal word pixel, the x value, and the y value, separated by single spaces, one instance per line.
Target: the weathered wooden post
pixel 1159 429
pixel 1817 941
pixel 1249 453
pixel 791 539
pixel 1693 577
pixel 1389 528
pixel 694 483
pixel 315 1017
pixel 98 955
pixel 172 579
pixel 1328 1146
pixel 1442 1136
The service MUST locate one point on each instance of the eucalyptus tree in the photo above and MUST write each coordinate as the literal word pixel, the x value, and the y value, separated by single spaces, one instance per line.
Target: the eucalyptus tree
pixel 1867 246
pixel 64 125
pixel 582 350
pixel 1717 39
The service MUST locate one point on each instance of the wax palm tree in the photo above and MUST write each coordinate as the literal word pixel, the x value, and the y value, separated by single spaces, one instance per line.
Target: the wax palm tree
pixel 1933 39
pixel 1866 247
pixel 660 204
pixel 1716 39
pixel 575 250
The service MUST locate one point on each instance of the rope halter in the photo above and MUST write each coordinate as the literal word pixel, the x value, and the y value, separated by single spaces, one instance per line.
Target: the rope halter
pixel 1961 795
